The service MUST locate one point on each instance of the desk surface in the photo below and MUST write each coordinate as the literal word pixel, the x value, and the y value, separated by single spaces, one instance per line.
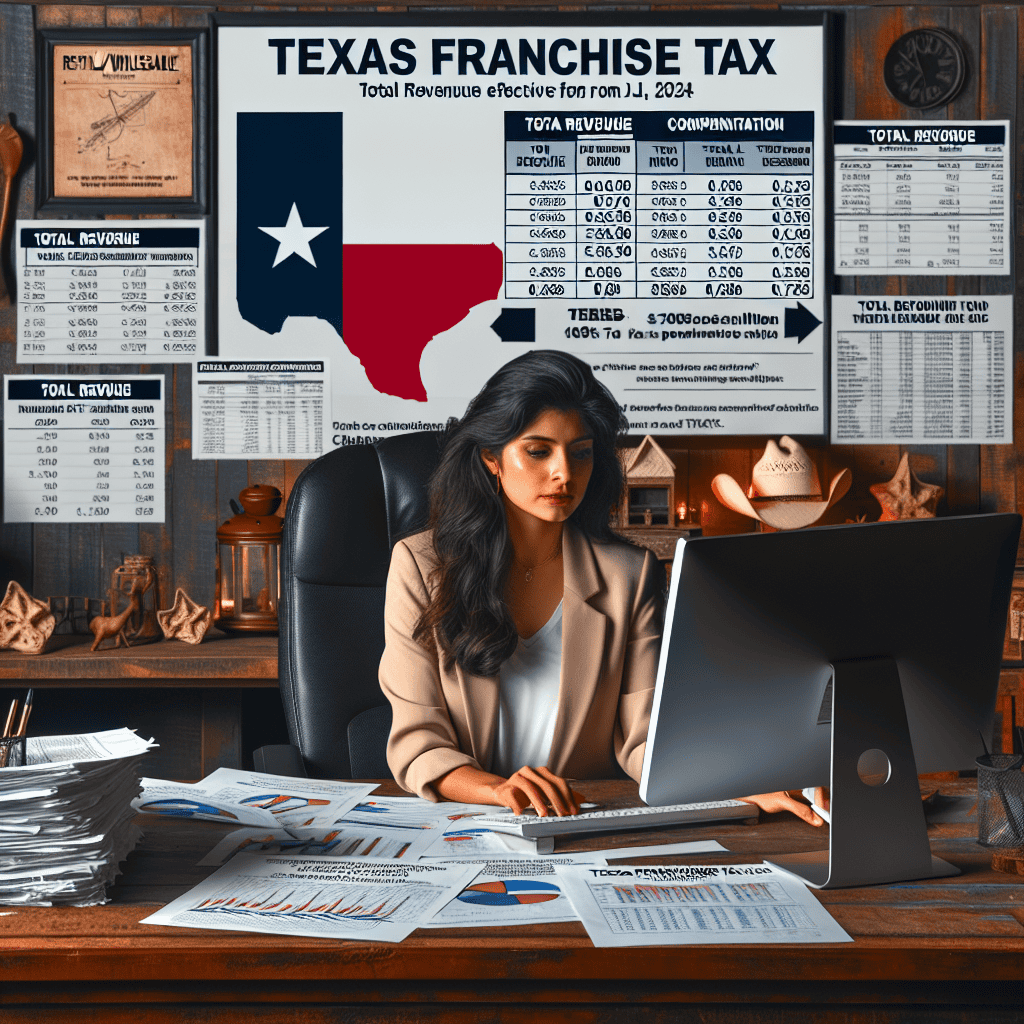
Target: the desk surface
pixel 921 949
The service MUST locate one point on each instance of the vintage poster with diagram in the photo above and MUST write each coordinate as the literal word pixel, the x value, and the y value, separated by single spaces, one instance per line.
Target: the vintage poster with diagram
pixel 122 121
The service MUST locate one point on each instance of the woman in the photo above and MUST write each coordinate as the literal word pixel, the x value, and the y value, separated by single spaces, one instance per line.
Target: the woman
pixel 521 634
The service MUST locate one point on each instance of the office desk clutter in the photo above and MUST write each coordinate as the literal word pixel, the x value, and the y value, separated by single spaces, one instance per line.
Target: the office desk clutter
pixel 66 821
pixel 229 795
pixel 342 864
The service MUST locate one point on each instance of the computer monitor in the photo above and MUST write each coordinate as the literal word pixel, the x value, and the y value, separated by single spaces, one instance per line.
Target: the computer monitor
pixel 788 657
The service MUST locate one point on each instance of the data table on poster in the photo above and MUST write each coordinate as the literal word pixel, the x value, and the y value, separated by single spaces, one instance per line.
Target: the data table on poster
pixel 922 198
pixel 259 410
pixel 91 292
pixel 924 385
pixel 83 449
pixel 650 205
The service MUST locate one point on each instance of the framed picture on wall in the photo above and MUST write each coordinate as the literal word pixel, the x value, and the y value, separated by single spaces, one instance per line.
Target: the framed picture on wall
pixel 122 121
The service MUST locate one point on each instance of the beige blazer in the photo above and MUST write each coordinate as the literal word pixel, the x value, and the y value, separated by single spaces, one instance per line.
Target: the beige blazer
pixel 611 634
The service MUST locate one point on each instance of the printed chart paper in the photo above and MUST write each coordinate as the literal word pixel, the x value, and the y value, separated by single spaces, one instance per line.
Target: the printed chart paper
pixel 111 291
pixel 409 812
pixel 260 410
pixel 319 897
pixel 922 197
pixel 922 369
pixel 465 840
pixel 511 892
pixel 380 843
pixel 657 906
pixel 648 196
pixel 252 798
pixel 83 448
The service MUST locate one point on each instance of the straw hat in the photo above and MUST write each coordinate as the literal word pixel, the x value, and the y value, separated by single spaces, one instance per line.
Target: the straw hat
pixel 784 491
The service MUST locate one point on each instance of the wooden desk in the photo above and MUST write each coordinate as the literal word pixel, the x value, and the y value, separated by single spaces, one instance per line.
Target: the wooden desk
pixel 935 952
pixel 189 698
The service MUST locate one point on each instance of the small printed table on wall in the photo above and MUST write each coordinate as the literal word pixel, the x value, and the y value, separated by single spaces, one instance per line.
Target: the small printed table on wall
pixel 189 698
pixel 931 952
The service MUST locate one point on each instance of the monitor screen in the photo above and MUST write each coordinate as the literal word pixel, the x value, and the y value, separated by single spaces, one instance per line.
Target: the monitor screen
pixel 756 621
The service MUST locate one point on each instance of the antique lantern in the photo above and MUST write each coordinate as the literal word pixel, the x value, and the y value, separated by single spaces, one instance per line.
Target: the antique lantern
pixel 249 564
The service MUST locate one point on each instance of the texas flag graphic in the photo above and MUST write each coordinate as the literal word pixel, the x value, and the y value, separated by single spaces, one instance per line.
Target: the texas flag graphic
pixel 289 218
pixel 387 302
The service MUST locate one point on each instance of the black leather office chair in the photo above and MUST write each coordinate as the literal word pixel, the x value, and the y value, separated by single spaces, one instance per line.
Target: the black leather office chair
pixel 345 513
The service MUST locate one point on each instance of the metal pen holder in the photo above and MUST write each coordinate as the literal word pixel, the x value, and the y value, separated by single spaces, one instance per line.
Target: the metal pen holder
pixel 1001 800
pixel 12 751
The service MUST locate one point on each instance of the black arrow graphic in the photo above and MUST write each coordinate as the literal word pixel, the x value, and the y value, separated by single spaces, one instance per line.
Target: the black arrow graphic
pixel 800 321
pixel 520 325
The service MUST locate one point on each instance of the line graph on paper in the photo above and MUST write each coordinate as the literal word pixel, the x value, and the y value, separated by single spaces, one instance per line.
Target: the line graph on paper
pixel 247 900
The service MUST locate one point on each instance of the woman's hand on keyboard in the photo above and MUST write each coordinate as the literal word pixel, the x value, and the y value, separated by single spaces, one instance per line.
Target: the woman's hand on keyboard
pixel 538 788
pixel 772 803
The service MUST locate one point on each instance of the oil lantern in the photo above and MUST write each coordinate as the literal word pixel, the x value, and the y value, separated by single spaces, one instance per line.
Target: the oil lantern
pixel 249 564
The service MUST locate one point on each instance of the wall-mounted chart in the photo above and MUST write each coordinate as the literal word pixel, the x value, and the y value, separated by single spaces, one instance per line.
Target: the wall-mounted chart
pixel 420 200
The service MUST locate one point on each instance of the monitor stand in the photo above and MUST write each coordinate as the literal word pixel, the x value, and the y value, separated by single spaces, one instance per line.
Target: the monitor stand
pixel 878 832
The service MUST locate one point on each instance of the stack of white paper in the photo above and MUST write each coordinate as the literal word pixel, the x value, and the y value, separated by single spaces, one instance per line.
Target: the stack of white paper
pixel 66 820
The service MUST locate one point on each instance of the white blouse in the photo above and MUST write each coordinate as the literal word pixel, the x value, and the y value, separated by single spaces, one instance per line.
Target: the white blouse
pixel 528 699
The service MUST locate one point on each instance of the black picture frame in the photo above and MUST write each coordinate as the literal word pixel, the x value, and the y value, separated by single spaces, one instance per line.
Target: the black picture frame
pixel 48 203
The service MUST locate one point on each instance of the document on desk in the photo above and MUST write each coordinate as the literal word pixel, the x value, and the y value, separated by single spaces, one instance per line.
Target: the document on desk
pixel 49 752
pixel 366 841
pixel 377 901
pixel 410 812
pixel 252 798
pixel 518 890
pixel 463 839
pixel 695 904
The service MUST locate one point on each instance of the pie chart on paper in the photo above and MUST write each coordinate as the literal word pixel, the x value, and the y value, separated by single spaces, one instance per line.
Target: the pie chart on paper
pixel 510 892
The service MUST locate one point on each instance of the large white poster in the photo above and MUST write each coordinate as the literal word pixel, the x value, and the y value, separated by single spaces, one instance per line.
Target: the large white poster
pixel 420 201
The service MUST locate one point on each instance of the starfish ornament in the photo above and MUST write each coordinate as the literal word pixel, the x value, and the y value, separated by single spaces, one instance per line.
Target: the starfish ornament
pixel 184 620
pixel 25 622
pixel 905 496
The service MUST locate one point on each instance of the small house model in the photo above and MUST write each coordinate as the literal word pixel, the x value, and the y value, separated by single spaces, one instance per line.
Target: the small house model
pixel 650 486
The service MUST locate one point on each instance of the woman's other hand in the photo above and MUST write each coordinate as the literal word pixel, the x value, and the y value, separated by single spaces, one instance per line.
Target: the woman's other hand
pixel 772 803
pixel 539 788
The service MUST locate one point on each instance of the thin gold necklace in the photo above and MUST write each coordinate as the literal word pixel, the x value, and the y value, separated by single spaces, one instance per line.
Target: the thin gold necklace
pixel 529 570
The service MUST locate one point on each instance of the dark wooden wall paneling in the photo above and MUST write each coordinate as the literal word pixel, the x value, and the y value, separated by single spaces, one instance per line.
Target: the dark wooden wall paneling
pixel 59 559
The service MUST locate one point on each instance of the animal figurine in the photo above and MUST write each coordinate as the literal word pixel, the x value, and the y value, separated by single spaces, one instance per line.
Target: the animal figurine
pixel 105 626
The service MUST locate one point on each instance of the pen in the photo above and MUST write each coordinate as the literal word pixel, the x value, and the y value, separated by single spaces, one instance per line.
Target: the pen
pixel 25 712
pixel 10 718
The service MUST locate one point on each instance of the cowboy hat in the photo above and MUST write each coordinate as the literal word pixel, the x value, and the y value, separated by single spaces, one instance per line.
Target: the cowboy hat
pixel 784 491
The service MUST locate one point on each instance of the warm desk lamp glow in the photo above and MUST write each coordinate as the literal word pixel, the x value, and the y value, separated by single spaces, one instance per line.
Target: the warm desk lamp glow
pixel 249 564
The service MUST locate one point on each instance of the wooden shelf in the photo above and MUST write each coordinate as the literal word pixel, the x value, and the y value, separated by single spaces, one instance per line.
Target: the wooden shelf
pixel 220 660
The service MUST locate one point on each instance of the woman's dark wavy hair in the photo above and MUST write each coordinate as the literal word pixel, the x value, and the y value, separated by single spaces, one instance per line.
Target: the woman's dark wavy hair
pixel 467 613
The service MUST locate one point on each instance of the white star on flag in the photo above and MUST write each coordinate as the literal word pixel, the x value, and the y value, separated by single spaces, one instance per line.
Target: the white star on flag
pixel 294 238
